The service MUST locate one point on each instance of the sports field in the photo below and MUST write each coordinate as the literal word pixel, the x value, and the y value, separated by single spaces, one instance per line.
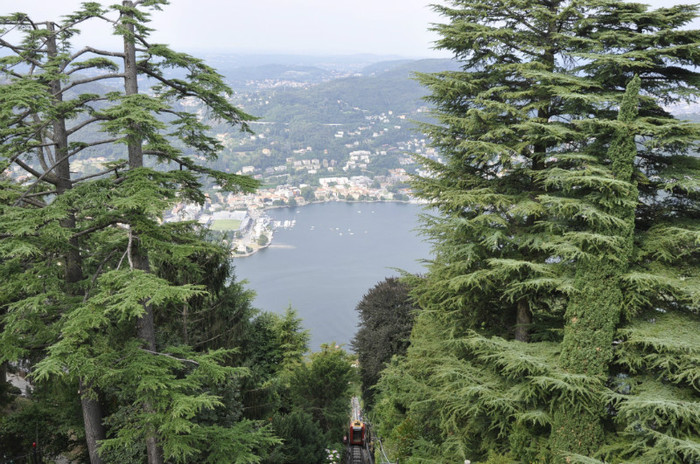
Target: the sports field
pixel 225 224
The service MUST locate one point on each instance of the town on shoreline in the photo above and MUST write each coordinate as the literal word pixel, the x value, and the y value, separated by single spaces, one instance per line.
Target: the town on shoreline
pixel 241 219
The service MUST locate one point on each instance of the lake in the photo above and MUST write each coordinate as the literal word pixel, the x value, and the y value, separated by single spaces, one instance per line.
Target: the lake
pixel 327 262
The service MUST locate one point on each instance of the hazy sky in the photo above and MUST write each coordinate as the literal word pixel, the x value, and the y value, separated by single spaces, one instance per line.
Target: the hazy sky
pixel 398 27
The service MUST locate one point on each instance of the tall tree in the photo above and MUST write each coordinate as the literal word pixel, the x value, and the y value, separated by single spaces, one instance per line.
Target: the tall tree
pixel 36 124
pixel 321 387
pixel 542 235
pixel 593 312
pixel 105 230
pixel 386 318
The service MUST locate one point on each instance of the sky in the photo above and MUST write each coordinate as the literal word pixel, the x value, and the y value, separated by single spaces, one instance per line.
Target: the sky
pixel 319 27
pixel 316 27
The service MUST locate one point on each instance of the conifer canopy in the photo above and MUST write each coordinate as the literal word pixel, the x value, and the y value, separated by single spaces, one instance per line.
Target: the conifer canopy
pixel 565 232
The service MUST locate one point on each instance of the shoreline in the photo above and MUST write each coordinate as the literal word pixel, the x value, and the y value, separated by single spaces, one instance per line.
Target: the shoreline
pixel 320 202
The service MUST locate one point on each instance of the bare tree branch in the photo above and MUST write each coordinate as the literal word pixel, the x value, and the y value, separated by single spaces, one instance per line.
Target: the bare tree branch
pixel 33 201
pixel 14 26
pixel 18 51
pixel 129 248
pixel 90 79
pixel 11 72
pixel 92 229
pixel 88 145
pixel 95 51
pixel 184 91
pixel 44 145
pixel 104 18
pixel 97 274
pixel 115 168
pixel 47 173
pixel 19 117
pixel 41 194
pixel 50 178
pixel 75 129
pixel 127 253
pixel 43 151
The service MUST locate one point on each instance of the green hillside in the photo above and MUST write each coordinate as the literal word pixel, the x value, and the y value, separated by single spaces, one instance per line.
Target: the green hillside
pixel 383 87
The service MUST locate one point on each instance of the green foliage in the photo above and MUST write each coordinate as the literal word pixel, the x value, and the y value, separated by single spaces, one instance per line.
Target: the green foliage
pixel 322 387
pixel 50 416
pixel 374 93
pixel 386 319
pixel 86 263
pixel 564 214
pixel 291 337
pixel 302 437
pixel 276 343
pixel 305 400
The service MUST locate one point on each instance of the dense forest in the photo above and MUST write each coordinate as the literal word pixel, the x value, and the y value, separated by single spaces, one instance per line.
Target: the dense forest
pixel 139 343
pixel 557 321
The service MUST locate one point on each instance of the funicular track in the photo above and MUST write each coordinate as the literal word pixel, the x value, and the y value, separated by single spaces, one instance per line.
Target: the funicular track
pixel 359 438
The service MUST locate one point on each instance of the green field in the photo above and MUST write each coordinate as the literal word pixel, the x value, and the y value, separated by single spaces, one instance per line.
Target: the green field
pixel 225 224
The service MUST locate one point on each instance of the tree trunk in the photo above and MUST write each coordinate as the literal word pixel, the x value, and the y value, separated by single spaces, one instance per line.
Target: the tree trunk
pixel 185 314
pixel 92 410
pixel 523 315
pixel 92 417
pixel 523 319
pixel 146 325
pixel 131 85
pixel 94 430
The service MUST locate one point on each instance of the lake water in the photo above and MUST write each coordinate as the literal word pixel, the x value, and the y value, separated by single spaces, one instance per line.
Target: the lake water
pixel 334 254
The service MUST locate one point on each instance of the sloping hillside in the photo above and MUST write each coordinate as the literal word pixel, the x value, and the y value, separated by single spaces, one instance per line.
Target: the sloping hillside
pixel 382 87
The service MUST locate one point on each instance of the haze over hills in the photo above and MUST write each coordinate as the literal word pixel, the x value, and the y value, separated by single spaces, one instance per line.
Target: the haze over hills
pixel 377 88
pixel 367 114
pixel 333 105
pixel 228 63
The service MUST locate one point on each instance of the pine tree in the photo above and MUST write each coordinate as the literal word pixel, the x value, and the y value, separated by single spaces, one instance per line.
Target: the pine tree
pixel 98 324
pixel 548 198
pixel 35 124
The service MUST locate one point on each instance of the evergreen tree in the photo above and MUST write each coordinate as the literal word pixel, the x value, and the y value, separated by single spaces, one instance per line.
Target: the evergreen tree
pixel 533 342
pixel 303 439
pixel 594 309
pixel 272 349
pixel 35 113
pixel 321 387
pixel 94 322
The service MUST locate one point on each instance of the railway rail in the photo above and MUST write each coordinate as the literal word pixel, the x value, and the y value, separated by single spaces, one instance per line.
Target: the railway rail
pixel 360 446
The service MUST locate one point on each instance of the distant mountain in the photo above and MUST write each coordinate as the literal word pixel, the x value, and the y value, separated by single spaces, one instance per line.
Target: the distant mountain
pixel 384 66
pixel 410 66
pixel 381 87
pixel 241 77
pixel 227 63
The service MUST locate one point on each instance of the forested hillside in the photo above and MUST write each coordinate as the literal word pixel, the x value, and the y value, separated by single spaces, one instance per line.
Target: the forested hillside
pixel 305 113
pixel 386 86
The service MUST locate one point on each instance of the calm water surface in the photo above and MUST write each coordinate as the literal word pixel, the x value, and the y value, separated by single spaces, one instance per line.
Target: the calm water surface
pixel 334 254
